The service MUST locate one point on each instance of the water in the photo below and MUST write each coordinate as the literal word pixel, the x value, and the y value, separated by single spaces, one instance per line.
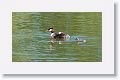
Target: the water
pixel 31 41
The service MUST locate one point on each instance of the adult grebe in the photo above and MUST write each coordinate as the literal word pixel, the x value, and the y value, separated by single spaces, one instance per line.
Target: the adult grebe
pixel 58 36
pixel 61 36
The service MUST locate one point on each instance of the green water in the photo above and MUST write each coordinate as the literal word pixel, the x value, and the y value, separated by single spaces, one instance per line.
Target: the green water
pixel 31 41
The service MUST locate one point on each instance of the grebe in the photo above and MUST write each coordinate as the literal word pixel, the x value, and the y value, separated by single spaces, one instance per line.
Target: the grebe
pixel 59 35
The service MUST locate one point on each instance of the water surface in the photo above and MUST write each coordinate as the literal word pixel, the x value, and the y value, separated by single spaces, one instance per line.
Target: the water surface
pixel 31 41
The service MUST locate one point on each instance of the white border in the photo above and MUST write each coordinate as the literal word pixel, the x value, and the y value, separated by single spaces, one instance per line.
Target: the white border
pixel 104 67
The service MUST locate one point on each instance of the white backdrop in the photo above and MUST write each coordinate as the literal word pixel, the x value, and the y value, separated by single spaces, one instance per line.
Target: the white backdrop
pixel 104 67
pixel 76 77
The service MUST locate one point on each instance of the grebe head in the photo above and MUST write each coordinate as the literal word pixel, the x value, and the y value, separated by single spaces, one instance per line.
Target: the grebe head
pixel 51 30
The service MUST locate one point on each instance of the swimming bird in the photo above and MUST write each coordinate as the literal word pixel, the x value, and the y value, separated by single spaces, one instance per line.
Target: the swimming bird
pixel 58 36
pixel 62 36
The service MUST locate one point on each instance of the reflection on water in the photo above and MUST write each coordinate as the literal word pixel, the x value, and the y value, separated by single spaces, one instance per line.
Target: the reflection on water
pixel 31 41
